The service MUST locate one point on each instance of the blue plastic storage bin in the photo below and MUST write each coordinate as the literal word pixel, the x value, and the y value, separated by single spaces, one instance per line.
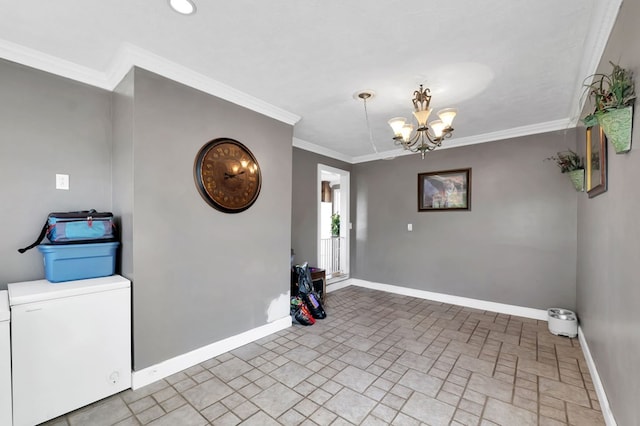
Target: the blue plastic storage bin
pixel 67 262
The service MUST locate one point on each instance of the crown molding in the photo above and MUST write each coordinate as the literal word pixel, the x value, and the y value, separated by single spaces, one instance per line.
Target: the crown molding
pixel 51 64
pixel 129 56
pixel 308 146
pixel 384 155
pixel 516 132
pixel 603 19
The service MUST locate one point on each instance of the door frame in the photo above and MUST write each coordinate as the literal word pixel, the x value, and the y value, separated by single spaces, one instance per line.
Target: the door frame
pixel 345 215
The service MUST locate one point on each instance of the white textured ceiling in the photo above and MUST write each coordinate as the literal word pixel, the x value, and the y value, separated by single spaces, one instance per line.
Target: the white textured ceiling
pixel 510 67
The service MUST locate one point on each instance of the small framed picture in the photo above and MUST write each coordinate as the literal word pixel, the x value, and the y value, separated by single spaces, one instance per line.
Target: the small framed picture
pixel 446 190
pixel 596 161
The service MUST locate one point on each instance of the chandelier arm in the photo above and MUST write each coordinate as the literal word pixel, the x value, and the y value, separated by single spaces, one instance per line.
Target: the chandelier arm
pixel 446 134
pixel 420 134
pixel 420 142
pixel 433 143
pixel 408 143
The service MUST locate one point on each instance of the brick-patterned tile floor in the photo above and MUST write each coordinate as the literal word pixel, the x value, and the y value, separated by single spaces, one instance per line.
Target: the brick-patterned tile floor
pixel 377 359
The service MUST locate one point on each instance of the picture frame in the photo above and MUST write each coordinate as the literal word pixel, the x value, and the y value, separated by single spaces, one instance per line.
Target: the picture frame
pixel 596 159
pixel 444 190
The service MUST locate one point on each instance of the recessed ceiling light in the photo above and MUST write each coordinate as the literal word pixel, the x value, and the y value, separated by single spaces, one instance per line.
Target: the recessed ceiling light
pixel 185 7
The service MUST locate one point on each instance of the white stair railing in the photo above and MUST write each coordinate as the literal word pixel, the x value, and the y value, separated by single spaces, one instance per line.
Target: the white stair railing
pixel 330 255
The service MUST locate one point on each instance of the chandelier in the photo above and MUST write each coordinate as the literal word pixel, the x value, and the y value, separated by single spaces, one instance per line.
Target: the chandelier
pixel 426 137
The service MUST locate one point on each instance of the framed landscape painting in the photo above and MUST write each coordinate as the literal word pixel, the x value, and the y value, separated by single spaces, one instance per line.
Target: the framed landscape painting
pixel 445 190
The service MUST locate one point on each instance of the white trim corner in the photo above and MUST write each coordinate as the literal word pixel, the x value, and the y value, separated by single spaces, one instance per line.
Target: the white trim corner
pixel 338 285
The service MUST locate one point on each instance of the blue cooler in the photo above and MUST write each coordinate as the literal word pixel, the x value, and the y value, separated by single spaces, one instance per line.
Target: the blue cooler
pixel 67 262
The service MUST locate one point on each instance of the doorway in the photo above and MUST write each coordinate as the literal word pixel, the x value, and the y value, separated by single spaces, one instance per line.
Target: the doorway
pixel 333 222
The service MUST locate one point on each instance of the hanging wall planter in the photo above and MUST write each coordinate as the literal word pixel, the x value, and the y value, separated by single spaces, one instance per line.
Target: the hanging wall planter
pixel 613 96
pixel 616 124
pixel 573 165
pixel 577 179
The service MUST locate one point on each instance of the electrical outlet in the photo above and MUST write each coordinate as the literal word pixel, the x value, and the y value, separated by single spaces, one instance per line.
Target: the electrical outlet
pixel 62 182
pixel 409 227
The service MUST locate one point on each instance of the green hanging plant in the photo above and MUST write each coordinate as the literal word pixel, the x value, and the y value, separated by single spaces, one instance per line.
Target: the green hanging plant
pixel 610 91
pixel 335 225
pixel 572 164
pixel 613 96
pixel 568 161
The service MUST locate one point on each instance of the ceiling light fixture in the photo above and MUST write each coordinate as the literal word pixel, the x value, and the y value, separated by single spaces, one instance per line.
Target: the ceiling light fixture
pixel 423 140
pixel 185 7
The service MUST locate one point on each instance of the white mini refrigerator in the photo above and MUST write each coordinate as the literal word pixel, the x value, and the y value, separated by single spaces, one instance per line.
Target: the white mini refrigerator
pixel 70 345
pixel 5 360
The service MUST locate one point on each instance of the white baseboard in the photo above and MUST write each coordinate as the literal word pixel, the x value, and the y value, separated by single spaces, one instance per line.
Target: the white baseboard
pixel 503 308
pixel 181 362
pixel 597 383
pixel 338 285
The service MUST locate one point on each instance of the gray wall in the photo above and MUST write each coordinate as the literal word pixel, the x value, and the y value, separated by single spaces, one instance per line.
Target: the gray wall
pixel 608 290
pixel 201 275
pixel 122 170
pixel 48 125
pixel 304 210
pixel 517 245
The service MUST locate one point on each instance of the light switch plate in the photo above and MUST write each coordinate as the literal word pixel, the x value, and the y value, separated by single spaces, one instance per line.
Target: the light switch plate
pixel 62 182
